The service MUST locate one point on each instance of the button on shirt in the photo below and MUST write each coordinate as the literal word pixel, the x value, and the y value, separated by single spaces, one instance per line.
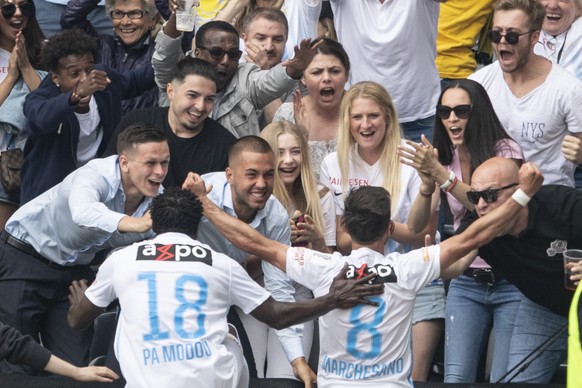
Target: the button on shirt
pixel 78 217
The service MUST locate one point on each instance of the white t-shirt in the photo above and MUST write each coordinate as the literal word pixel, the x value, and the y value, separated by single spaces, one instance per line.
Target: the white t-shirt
pixel 90 135
pixel 174 293
pixel 362 174
pixel 539 120
pixel 4 60
pixel 564 49
pixel 393 44
pixel 302 16
pixel 365 345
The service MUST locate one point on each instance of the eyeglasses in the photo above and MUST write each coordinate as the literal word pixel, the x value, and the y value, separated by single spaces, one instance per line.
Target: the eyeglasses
pixel 461 111
pixel 489 195
pixel 218 53
pixel 133 14
pixel 511 37
pixel 26 9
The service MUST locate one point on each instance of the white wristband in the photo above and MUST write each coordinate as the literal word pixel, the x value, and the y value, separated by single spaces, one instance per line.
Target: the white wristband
pixel 449 181
pixel 520 197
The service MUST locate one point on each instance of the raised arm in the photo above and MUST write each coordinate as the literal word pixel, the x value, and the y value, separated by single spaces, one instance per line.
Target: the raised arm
pixel 499 222
pixel 236 231
pixel 75 16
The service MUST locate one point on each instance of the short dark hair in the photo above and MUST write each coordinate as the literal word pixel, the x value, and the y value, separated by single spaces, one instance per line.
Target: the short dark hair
pixel 69 42
pixel 367 213
pixel 334 48
pixel 248 144
pixel 176 210
pixel 219 25
pixel 482 132
pixel 270 14
pixel 194 66
pixel 139 133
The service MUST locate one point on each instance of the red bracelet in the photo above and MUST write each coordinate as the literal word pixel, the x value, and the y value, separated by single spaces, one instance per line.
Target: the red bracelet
pixel 452 185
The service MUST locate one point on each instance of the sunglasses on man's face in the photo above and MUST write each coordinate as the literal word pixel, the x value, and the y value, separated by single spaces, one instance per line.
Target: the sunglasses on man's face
pixel 26 9
pixel 461 111
pixel 511 37
pixel 489 195
pixel 217 53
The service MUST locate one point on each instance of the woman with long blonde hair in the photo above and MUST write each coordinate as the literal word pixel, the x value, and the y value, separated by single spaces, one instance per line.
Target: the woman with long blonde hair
pixel 368 140
pixel 296 187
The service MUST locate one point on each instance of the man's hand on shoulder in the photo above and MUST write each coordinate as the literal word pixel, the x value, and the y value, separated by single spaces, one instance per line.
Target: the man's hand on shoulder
pixel 348 293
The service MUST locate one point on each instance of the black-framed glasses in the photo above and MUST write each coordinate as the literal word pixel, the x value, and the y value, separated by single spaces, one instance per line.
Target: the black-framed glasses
pixel 133 14
pixel 26 9
pixel 489 195
pixel 461 111
pixel 511 37
pixel 218 53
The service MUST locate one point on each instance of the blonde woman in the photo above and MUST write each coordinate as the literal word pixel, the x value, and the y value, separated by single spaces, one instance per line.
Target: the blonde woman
pixel 368 139
pixel 296 188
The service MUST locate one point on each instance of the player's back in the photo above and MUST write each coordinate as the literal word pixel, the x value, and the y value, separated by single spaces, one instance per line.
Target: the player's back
pixel 175 293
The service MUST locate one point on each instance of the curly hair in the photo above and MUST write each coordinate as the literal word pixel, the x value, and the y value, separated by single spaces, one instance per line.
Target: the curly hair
pixel 69 42
pixel 176 210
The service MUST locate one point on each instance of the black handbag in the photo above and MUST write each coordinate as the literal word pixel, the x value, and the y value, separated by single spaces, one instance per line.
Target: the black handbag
pixel 10 164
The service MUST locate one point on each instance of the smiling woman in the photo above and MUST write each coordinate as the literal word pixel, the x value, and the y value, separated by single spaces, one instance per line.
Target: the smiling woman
pixel 135 25
pixel 20 41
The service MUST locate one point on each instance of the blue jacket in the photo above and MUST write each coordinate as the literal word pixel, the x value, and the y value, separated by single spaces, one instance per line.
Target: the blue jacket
pixel 112 51
pixel 50 153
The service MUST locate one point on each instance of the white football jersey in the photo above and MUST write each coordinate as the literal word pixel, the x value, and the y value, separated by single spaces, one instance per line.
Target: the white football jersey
pixel 367 346
pixel 174 293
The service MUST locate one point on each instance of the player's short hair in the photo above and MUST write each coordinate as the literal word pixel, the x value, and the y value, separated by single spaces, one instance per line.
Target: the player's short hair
pixel 69 42
pixel 367 213
pixel 219 25
pixel 248 144
pixel 176 210
pixel 532 8
pixel 194 66
pixel 139 133
pixel 270 14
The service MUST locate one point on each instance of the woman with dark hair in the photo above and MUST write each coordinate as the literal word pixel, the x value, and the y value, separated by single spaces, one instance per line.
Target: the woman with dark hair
pixel 135 26
pixel 466 134
pixel 73 113
pixel 20 41
pixel 319 111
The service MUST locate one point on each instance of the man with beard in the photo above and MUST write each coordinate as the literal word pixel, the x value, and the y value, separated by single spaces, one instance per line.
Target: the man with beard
pixel 537 102
pixel 197 142
pixel 243 88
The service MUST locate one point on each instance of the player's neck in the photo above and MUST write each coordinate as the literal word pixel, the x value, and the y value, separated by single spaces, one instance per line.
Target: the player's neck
pixel 377 246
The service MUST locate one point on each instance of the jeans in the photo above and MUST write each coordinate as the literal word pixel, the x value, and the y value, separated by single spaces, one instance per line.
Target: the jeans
pixel 413 129
pixel 472 309
pixel 535 324
pixel 578 178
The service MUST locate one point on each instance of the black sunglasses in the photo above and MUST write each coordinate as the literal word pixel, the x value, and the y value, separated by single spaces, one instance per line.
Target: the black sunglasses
pixel 218 53
pixel 489 195
pixel 461 111
pixel 26 9
pixel 511 37
pixel 133 14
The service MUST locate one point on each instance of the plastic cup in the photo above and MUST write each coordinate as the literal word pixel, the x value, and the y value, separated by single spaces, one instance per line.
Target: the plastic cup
pixel 571 257
pixel 186 14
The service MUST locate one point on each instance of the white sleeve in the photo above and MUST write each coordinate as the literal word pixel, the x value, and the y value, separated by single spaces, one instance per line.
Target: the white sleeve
pixel 244 292
pixel 101 293
pixel 419 267
pixel 314 270
pixel 329 219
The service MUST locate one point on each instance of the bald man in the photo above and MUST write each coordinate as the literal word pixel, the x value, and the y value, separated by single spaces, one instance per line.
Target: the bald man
pixel 531 258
